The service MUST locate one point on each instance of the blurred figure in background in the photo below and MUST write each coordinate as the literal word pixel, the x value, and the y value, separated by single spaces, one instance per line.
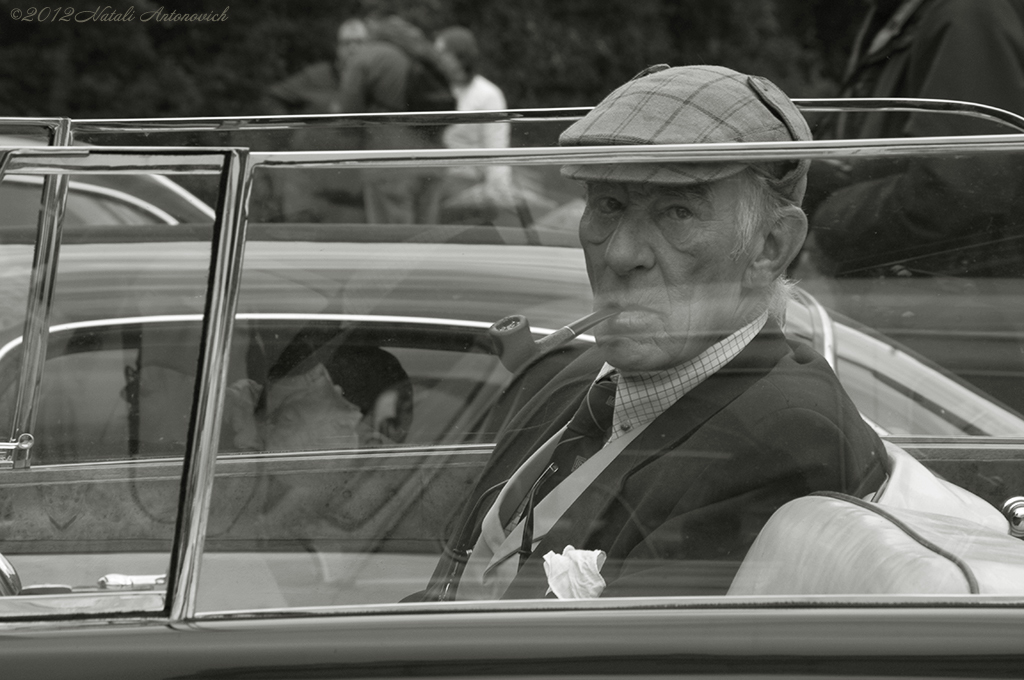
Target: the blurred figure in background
pixel 390 66
pixel 373 71
pixel 936 49
pixel 473 192
pixel 314 195
pixel 317 88
pixel 942 216
pixel 473 92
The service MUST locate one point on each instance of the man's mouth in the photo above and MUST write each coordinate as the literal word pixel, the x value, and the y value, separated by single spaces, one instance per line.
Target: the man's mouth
pixel 626 318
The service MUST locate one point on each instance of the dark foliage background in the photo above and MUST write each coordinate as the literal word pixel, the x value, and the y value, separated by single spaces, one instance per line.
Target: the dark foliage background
pixel 541 52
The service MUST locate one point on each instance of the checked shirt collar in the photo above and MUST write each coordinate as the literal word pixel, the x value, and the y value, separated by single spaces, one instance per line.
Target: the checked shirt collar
pixel 642 397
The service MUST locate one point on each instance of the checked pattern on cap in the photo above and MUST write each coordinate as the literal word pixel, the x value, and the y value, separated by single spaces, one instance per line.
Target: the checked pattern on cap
pixel 685 105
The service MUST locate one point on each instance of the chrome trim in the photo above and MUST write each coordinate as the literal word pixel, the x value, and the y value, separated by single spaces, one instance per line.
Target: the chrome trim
pixel 54 126
pixel 104 470
pixel 24 441
pixel 364 454
pixel 745 609
pixel 168 160
pixel 200 463
pixel 40 301
pixel 746 152
pixel 272 316
pixel 947 106
pixel 255 123
pixel 1013 510
pixel 62 607
pixel 149 469
pixel 971 442
pixel 294 122
pixel 127 160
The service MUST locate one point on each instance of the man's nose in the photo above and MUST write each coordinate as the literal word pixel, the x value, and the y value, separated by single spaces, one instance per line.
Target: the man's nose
pixel 628 248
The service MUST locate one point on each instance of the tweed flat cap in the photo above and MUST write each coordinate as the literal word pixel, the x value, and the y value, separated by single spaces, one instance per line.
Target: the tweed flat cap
pixel 691 105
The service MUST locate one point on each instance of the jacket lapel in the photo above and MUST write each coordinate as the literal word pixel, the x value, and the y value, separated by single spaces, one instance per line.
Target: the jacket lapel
pixel 667 432
pixel 541 417
pixel 537 421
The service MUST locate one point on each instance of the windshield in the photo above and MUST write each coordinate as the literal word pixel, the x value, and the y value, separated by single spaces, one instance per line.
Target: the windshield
pixel 306 401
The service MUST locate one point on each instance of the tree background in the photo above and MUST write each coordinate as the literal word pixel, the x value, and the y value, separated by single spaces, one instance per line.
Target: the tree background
pixel 544 53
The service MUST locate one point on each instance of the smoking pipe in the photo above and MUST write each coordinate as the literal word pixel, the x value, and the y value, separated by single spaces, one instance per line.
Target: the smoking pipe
pixel 514 343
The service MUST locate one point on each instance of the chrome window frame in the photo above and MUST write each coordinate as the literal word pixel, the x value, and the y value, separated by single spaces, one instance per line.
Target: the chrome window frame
pixel 222 294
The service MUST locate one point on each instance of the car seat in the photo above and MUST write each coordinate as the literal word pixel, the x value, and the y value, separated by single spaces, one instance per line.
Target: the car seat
pixel 917 535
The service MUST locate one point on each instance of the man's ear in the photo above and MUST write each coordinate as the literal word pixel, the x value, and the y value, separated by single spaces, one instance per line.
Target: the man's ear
pixel 776 247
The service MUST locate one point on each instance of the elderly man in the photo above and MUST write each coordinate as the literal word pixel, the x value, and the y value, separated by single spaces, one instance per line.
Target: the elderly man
pixel 703 418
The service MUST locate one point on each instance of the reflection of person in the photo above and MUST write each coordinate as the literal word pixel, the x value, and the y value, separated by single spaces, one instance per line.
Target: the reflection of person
pixel 360 397
pixel 474 92
pixel 933 215
pixel 716 419
pixel 316 195
pixel 308 412
pixel 317 88
pixel 374 380
pixel 375 79
pixel 357 397
pixel 314 89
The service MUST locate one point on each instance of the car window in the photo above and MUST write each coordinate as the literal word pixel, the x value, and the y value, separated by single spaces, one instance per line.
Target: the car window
pixel 91 205
pixel 90 513
pixel 374 515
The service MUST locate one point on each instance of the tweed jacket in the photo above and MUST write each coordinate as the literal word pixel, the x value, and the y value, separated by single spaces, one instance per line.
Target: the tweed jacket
pixel 677 510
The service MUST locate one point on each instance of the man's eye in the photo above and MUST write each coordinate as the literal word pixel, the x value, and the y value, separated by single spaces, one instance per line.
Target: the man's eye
pixel 678 212
pixel 607 204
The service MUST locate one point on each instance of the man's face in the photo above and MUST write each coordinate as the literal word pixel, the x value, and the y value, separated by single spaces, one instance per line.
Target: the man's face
pixel 309 412
pixel 667 256
pixel 350 37
pixel 452 67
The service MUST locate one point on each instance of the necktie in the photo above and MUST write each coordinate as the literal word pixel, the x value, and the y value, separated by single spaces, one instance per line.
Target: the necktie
pixel 585 434
pixel 583 437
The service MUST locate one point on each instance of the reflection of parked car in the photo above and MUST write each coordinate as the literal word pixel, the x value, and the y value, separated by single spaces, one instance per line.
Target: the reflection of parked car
pixel 142 530
pixel 98 200
pixel 471 283
pixel 90 203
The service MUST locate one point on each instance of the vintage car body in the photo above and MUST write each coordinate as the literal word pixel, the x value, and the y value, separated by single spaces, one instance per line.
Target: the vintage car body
pixel 225 558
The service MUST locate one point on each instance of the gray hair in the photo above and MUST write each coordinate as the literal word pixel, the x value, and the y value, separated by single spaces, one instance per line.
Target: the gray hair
pixel 759 206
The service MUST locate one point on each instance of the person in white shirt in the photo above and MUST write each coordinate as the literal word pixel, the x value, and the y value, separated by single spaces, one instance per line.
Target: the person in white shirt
pixel 471 186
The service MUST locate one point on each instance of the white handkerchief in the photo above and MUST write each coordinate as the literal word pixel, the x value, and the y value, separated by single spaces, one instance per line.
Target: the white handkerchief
pixel 575 574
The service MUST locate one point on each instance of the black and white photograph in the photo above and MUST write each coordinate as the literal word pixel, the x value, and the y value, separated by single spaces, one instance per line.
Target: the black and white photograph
pixel 511 338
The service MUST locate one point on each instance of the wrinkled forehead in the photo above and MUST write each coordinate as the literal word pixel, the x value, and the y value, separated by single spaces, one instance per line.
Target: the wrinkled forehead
pixel 700 190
